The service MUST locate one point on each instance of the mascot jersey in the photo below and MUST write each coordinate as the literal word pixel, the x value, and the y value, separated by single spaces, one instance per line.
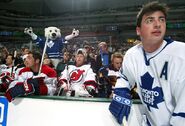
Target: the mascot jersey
pixel 160 79
pixel 54 47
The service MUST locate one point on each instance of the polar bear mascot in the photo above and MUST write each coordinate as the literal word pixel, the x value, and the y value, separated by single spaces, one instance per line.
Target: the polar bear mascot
pixel 54 43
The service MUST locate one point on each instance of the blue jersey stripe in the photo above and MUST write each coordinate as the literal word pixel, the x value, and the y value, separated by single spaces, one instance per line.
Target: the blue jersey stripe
pixel 181 114
pixel 147 61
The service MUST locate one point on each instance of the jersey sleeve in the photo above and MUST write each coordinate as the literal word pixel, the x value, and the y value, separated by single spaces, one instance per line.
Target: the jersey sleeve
pixel 126 74
pixel 40 42
pixel 178 115
pixel 90 79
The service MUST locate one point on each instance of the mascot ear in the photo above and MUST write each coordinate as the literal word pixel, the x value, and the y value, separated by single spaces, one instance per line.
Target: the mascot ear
pixel 46 32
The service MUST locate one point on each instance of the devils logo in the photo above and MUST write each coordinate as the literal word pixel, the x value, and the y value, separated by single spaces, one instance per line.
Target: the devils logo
pixel 76 75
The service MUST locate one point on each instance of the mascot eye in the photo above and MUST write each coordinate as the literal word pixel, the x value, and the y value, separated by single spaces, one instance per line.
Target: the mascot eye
pixel 55 30
pixel 50 30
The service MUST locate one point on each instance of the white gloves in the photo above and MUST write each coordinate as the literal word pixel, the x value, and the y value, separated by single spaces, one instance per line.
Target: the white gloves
pixel 29 31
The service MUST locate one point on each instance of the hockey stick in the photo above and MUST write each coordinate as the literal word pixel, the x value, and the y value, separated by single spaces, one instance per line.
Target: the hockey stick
pixel 61 88
pixel 13 64
pixel 43 53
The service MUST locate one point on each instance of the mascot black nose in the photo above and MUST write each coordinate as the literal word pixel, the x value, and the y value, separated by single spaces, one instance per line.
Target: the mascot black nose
pixel 53 34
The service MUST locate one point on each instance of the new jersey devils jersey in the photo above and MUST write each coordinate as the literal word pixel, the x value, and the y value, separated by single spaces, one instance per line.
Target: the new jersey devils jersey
pixel 160 79
pixel 79 77
pixel 48 73
pixel 7 70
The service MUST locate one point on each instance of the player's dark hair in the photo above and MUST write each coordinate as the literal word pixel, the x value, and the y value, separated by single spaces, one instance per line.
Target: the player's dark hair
pixel 150 8
pixel 36 55
pixel 11 56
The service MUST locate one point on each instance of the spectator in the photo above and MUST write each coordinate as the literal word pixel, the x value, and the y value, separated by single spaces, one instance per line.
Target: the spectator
pixel 4 54
pixel 104 58
pixel 90 60
pixel 66 61
pixel 49 62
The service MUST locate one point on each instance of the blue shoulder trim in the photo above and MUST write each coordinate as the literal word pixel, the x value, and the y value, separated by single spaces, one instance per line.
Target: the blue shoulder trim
pixel 181 114
pixel 147 61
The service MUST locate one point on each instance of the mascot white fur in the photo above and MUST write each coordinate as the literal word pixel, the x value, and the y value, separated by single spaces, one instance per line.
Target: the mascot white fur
pixel 55 41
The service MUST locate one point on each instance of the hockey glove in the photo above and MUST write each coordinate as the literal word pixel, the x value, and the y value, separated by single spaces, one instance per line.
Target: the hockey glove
pixel 39 85
pixel 103 71
pixel 20 89
pixel 91 90
pixel 5 81
pixel 121 103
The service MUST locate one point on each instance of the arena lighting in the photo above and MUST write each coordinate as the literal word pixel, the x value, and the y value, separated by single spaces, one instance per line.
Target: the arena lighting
pixel 130 40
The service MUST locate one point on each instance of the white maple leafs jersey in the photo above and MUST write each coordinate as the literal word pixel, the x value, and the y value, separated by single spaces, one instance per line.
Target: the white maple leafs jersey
pixel 160 79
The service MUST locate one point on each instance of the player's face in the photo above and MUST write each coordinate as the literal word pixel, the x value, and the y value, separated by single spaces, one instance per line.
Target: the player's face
pixel 66 56
pixel 117 62
pixel 9 60
pixel 29 61
pixel 80 59
pixel 152 29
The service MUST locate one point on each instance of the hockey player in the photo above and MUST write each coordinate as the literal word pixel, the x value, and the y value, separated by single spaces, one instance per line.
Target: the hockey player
pixel 29 82
pixel 157 67
pixel 78 80
pixel 7 72
pixel 108 76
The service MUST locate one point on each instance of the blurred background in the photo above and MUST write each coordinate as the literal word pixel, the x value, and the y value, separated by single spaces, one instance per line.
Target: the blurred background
pixel 112 21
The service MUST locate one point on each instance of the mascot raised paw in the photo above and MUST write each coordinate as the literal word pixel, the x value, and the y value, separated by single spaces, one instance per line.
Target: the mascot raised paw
pixel 55 41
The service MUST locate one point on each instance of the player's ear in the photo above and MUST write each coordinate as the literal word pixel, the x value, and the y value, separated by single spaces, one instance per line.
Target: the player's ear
pixel 138 30
pixel 37 61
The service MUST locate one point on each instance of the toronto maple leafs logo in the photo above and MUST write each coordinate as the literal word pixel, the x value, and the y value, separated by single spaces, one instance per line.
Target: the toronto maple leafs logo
pixel 151 96
pixel 50 44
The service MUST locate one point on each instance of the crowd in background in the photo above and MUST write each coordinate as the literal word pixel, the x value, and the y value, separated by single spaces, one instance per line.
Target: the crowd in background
pixel 104 61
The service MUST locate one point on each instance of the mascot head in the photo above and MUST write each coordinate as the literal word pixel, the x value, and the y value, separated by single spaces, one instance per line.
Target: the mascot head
pixel 52 33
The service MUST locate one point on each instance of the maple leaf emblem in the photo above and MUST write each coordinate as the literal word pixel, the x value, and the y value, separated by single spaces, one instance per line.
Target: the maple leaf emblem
pixel 151 96
pixel 50 44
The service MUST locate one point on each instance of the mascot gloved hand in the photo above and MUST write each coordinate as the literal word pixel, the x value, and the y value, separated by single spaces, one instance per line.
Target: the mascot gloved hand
pixel 121 104
pixel 30 32
pixel 74 33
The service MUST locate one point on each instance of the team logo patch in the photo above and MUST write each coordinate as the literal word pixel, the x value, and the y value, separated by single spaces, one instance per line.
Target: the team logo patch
pixel 76 75
pixel 151 96
pixel 50 44
pixel 122 100
pixel 3 111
